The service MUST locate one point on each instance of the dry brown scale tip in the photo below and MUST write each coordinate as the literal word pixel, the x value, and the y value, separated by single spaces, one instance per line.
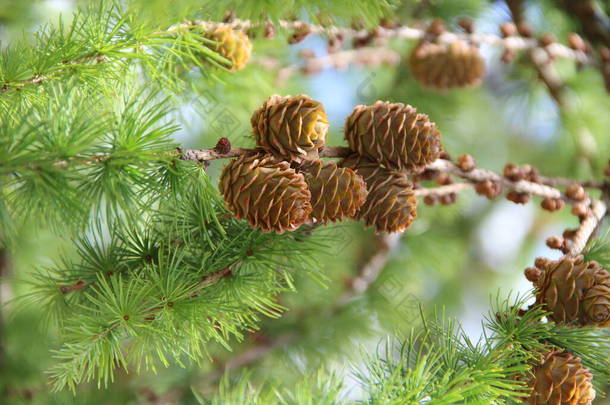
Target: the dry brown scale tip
pixel 513 172
pixel 466 163
pixel 569 233
pixel 557 243
pixel 576 192
pixel 580 210
pixel 518 197
pixel 489 188
pixel 552 204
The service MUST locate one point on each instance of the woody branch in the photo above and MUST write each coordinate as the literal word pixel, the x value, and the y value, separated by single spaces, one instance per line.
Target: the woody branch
pixel 545 188
pixel 515 43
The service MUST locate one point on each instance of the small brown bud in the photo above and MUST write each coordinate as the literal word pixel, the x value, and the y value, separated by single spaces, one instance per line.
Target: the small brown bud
pixel 466 163
pixel 533 274
pixel 548 204
pixel 448 199
pixel 576 192
pixel 531 173
pixel 443 179
pixel 576 42
pixel 269 31
pixel 542 263
pixel 436 27
pixel 513 172
pixel 525 30
pixel 361 41
pixel 389 23
pixel 489 189
pixel 555 242
pixel 223 146
pixel 569 233
pixel 547 39
pixel 430 200
pixel 508 29
pixel 579 210
pixel 335 43
pixel 301 32
pixel 552 204
pixel 517 197
pixel 467 24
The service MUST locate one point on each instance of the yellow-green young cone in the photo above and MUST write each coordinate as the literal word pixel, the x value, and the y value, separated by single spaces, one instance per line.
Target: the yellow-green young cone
pixel 266 192
pixel 575 292
pixel 561 379
pixel 445 66
pixel 231 44
pixel 393 134
pixel 336 192
pixel 391 205
pixel 290 127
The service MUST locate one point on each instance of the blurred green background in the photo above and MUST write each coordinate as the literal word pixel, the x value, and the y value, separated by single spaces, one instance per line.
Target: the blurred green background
pixel 457 257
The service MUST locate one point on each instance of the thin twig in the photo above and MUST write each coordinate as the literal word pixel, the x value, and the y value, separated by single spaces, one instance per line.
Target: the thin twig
pixel 515 43
pixel 587 227
pixel 542 189
pixel 442 190
pixel 370 270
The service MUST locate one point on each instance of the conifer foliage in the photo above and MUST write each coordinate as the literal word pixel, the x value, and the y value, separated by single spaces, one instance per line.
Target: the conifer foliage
pixel 162 252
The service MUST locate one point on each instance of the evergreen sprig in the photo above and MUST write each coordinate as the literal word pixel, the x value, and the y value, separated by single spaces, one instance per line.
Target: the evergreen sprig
pixel 152 293
pixel 78 153
pixel 96 49
pixel 440 364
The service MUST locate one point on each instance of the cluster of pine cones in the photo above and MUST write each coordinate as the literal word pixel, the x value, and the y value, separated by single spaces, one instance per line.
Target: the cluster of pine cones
pixel 284 184
pixel 576 293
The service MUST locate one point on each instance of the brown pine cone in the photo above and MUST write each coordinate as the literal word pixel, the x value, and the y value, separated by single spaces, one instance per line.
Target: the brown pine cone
pixel 394 135
pixel 445 66
pixel 574 291
pixel 231 44
pixel 561 379
pixel 290 127
pixel 266 192
pixel 336 192
pixel 391 205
